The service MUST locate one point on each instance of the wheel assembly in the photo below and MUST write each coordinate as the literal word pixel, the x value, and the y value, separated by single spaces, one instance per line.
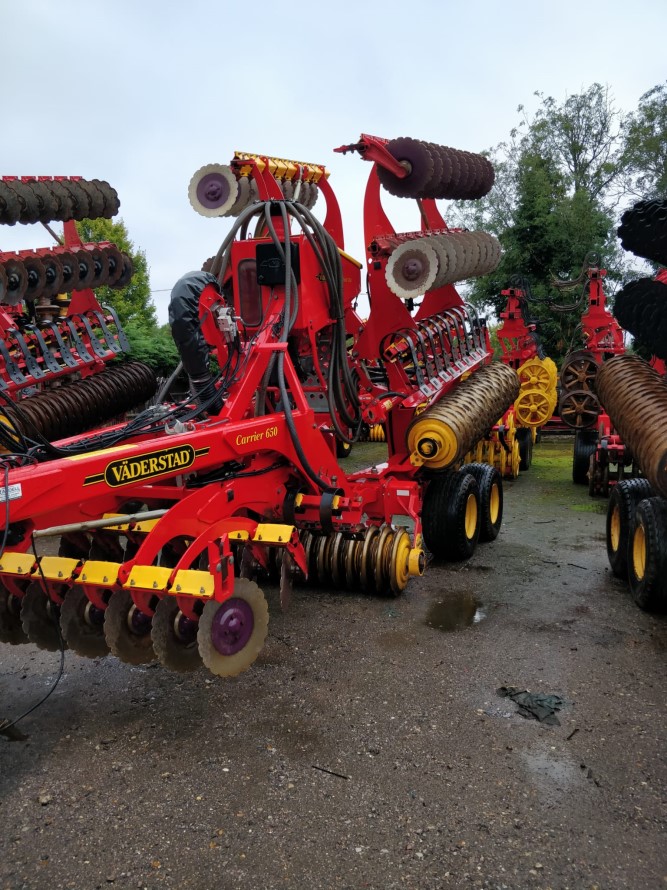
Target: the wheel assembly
pixel 643 230
pixel 232 633
pixel 490 484
pixel 411 269
pixel 534 407
pixel 378 561
pixel 537 374
pixel 579 408
pixel 585 443
pixel 647 565
pixel 127 630
pixel 174 637
pixel 415 156
pixel 578 371
pixel 451 516
pixel 621 510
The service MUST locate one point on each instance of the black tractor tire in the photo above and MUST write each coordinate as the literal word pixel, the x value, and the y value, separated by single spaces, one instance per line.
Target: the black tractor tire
pixel 525 439
pixel 451 516
pixel 490 484
pixel 620 521
pixel 585 443
pixel 647 555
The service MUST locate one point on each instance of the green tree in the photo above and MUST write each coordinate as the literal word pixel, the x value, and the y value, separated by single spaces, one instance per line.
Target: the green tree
pixel 645 147
pixel 582 136
pixel 133 302
pixel 553 203
pixel 153 346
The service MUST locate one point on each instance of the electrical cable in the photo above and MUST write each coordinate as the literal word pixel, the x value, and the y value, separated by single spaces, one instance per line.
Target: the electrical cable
pixel 7 725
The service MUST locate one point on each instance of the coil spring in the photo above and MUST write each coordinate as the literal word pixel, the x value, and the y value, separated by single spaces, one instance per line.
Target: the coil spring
pixel 84 404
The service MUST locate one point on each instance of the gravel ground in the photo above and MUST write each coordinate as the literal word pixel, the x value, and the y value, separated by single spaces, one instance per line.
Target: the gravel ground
pixel 368 746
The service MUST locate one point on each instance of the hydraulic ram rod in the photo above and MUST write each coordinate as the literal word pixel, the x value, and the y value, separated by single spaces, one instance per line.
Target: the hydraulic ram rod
pixel 121 519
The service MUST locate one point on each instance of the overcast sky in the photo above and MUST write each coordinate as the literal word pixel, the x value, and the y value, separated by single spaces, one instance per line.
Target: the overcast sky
pixel 144 92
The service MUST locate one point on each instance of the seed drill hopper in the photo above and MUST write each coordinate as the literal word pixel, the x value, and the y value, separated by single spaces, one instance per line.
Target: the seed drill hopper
pixel 169 525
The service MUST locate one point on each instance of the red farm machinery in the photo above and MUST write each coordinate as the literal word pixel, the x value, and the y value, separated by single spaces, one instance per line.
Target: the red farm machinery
pixel 59 347
pixel 168 524
pixel 522 350
pixel 600 457
pixel 634 392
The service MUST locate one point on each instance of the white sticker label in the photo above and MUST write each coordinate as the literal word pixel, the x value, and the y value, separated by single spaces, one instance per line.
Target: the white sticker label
pixel 12 492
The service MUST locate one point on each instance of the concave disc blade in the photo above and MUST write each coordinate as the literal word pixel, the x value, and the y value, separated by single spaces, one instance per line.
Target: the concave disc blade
pixel 39 617
pixel 11 629
pixel 175 637
pixel 213 190
pixel 232 634
pixel 127 630
pixel 82 624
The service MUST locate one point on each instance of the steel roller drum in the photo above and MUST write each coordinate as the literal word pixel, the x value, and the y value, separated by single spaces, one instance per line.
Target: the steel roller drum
pixel 445 432
pixel 635 397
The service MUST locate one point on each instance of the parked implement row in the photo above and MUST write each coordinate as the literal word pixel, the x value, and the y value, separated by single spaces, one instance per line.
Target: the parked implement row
pixel 635 396
pixel 522 350
pixel 169 525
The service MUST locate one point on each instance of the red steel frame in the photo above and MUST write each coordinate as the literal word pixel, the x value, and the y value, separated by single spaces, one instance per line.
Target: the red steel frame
pixel 272 484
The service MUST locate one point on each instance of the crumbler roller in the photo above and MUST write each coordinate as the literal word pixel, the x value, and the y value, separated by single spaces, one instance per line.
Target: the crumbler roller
pixel 634 395
pixel 443 434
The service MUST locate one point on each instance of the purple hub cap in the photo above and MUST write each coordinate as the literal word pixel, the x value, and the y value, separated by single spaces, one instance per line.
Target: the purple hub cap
pixel 140 622
pixel 412 269
pixel 212 190
pixel 96 616
pixel 186 630
pixel 232 626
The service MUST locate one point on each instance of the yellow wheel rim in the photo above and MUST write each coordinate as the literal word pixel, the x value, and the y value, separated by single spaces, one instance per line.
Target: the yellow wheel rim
pixel 500 459
pixel 533 407
pixel 639 552
pixel 432 442
pixel 615 529
pixel 534 374
pixel 494 503
pixel 471 516
pixel 516 459
pixel 399 569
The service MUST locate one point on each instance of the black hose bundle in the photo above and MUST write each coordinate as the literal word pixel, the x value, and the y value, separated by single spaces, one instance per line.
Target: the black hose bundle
pixel 342 395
